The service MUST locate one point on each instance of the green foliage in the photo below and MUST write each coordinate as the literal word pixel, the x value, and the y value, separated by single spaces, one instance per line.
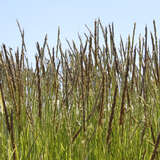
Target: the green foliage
pixel 93 101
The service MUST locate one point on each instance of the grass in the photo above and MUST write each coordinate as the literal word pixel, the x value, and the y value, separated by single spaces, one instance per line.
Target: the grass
pixel 93 101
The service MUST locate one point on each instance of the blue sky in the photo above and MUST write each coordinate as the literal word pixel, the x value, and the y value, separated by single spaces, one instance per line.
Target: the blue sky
pixel 39 17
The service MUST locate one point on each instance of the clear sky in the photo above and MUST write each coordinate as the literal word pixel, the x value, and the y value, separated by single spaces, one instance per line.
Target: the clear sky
pixel 39 17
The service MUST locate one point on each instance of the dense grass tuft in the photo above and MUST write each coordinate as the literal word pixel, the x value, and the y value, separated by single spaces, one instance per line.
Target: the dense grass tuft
pixel 93 101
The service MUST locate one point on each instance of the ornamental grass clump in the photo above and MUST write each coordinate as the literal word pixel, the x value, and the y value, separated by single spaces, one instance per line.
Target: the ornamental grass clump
pixel 95 100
